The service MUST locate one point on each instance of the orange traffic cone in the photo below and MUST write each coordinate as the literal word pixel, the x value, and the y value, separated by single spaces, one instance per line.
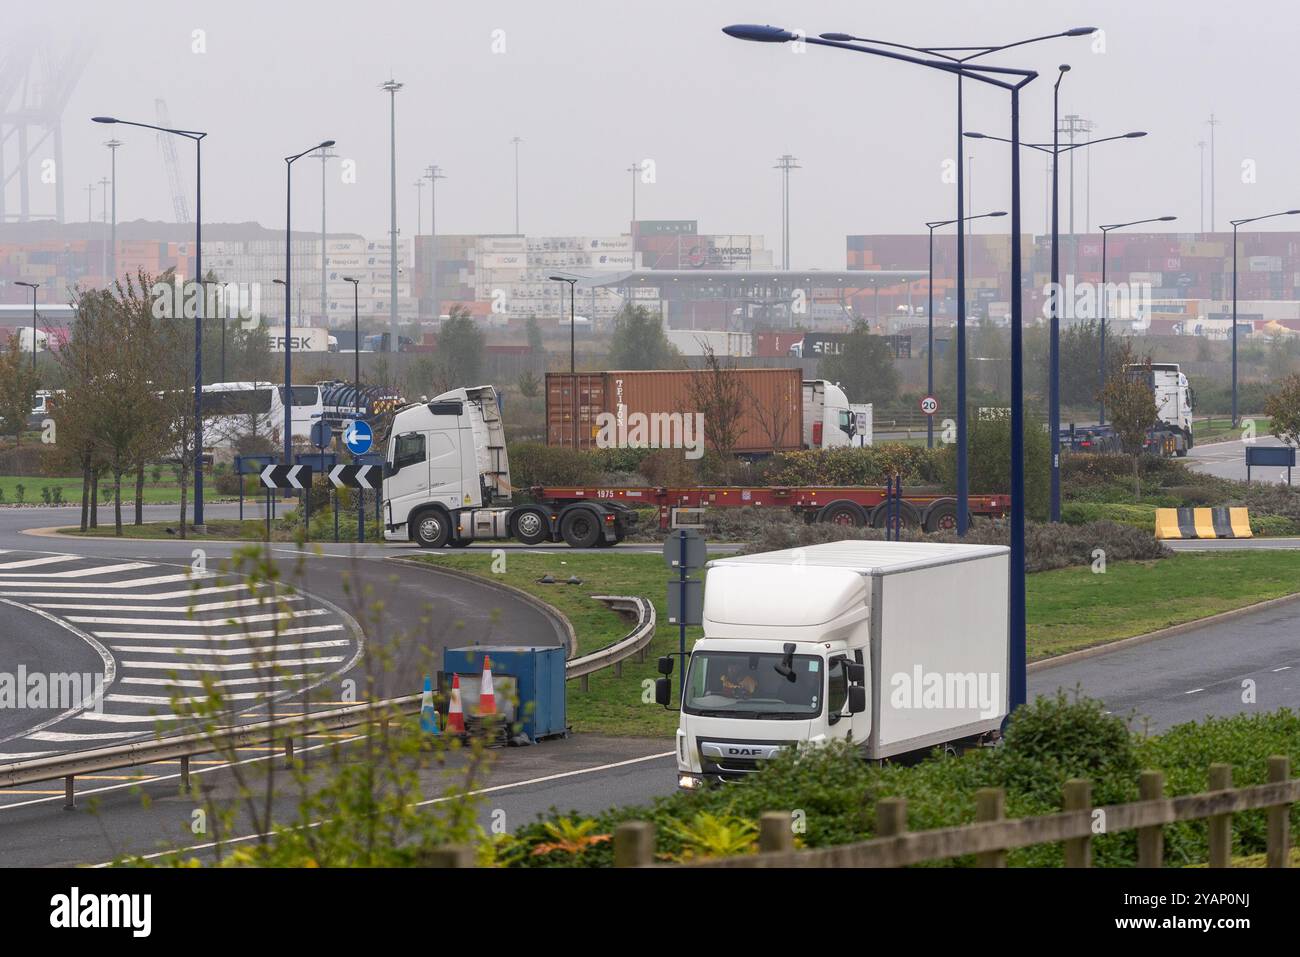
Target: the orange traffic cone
pixel 455 713
pixel 487 699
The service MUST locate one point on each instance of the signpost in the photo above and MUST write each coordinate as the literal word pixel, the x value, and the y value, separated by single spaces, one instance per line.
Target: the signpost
pixel 286 477
pixel 684 550
pixel 1278 456
pixel 375 459
pixel 251 465
pixel 358 477
pixel 929 405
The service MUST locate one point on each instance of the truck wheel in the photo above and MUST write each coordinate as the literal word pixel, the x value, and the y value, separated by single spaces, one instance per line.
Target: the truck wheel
pixel 432 529
pixel 907 515
pixel 530 527
pixel 580 528
pixel 843 513
pixel 942 516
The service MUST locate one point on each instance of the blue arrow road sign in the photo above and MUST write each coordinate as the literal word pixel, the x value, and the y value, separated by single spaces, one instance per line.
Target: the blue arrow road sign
pixel 358 437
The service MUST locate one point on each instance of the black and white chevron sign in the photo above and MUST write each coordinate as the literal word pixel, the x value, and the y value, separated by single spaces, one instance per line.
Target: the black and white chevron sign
pixel 356 476
pixel 286 476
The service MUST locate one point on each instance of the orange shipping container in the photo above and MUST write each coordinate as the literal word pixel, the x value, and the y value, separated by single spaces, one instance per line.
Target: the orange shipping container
pixel 770 403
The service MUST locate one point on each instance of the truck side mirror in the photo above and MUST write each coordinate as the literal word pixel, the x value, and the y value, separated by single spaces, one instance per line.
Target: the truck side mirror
pixel 666 665
pixel 857 699
pixel 663 690
pixel 855 673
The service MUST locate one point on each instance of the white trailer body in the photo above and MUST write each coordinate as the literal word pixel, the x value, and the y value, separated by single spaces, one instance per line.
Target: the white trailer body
pixel 927 623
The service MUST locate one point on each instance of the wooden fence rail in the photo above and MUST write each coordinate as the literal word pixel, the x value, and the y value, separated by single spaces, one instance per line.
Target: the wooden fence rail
pixel 992 835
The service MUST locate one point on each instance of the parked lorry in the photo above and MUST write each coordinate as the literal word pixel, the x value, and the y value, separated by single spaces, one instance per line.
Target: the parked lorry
pixel 447 482
pixel 895 647
pixel 1174 400
pixel 342 402
pixel 775 409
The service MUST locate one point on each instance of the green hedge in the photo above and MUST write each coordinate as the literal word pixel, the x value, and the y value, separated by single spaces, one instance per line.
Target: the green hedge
pixel 1049 741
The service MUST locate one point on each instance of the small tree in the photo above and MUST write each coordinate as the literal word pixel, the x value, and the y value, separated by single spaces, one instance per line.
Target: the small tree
pixel 18 384
pixel 1131 403
pixel 1283 408
pixel 639 341
pixel 459 360
pixel 864 368
pixel 718 393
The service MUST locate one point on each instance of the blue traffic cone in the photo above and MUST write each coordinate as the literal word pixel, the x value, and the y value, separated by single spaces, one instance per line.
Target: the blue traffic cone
pixel 428 714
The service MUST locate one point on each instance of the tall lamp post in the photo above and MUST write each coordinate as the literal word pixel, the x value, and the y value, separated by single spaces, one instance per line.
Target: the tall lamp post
pixel 197 138
pixel 33 286
pixel 1101 363
pixel 1054 337
pixel 1011 80
pixel 929 318
pixel 433 174
pixel 1235 224
pixel 960 56
pixel 112 145
pixel 573 376
pixel 356 391
pixel 288 292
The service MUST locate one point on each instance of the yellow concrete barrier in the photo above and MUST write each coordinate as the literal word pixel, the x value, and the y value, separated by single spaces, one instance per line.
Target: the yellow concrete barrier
pixel 1191 523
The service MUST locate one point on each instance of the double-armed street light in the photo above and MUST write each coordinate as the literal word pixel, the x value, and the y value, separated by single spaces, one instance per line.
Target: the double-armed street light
pixel 1235 224
pixel 197 139
pixel 1011 80
pixel 1101 300
pixel 929 316
pixel 1054 301
pixel 288 293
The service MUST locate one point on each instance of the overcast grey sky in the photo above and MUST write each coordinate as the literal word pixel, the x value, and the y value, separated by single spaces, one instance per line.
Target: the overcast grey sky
pixel 592 87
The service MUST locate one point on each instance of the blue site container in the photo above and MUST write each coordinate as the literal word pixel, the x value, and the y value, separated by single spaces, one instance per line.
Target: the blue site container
pixel 537 676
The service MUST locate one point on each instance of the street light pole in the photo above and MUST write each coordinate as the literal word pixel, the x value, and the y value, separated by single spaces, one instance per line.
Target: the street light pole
pixel 433 174
pixel 573 377
pixel 356 391
pixel 197 138
pixel 1102 303
pixel 1054 345
pixel 516 141
pixel 929 364
pixel 1235 224
pixel 33 286
pixel 1011 80
pixel 391 87
pixel 112 145
pixel 288 293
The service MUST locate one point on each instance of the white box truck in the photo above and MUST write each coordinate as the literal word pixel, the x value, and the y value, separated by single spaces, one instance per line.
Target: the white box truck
pixel 898 647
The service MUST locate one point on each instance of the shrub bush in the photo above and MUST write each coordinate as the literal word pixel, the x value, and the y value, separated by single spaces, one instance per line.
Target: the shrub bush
pixel 857 466
pixel 532 463
pixel 1048 741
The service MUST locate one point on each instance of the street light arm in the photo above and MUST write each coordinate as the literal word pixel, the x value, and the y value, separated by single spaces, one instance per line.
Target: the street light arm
pixel 949 222
pixel 1002 139
pixel 1255 219
pixel 319 146
pixel 191 134
pixel 1104 139
pixel 1137 222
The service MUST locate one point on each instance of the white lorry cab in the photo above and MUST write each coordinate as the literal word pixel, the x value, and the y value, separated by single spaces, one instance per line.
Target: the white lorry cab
pixel 830 420
pixel 1173 397
pixel 897 647
pixel 447 482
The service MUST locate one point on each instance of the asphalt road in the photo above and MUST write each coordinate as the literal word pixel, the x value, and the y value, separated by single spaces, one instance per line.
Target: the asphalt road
pixel 1202 671
pixel 1228 460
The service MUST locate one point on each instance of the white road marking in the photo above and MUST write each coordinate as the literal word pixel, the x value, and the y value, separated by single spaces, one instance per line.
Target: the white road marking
pixel 230 652
pixel 156 596
pixel 208 606
pixel 129 583
pixel 1283 668
pixel 32 562
pixel 65 737
pixel 202 622
pixel 81 572
pixel 231 682
pixel 233 666
pixel 169 701
pixel 110 718
pixel 1194 691
pixel 232 636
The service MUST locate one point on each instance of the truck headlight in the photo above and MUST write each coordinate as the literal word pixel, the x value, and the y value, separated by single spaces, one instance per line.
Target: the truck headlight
pixel 688 782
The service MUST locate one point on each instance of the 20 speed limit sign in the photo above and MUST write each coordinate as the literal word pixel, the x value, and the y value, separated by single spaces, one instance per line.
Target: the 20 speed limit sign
pixel 929 405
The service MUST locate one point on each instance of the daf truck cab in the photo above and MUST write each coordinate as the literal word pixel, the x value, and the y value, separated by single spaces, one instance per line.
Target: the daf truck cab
pixel 896 647
pixel 1174 400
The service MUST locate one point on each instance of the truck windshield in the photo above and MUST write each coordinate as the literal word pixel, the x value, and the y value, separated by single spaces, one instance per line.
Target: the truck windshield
pixel 747 685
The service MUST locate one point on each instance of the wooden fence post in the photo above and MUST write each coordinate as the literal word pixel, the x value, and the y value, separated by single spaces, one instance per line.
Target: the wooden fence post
pixel 774 833
pixel 1220 825
pixel 449 855
pixel 634 844
pixel 891 817
pixel 989 806
pixel 1151 840
pixel 1279 818
pixel 1078 797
